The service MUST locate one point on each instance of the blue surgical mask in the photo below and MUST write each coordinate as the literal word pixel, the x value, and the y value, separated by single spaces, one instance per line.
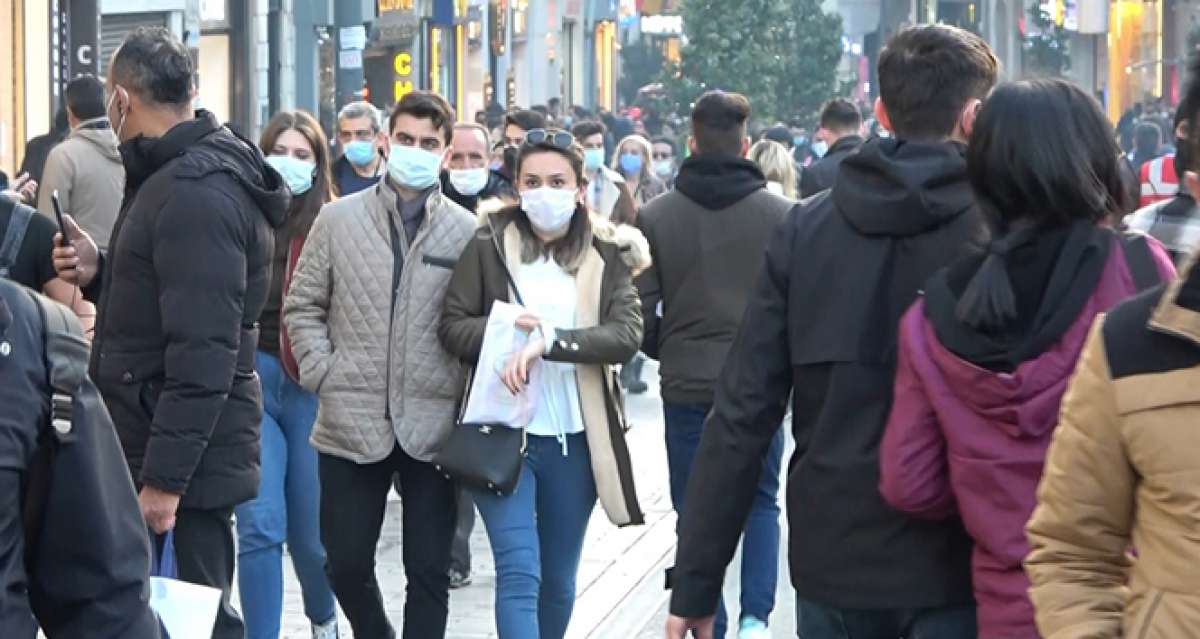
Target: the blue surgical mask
pixel 631 163
pixel 593 159
pixel 799 140
pixel 297 173
pixel 819 148
pixel 360 153
pixel 414 168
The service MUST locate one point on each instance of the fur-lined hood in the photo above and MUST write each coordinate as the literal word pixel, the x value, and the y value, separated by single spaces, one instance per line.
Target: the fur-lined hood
pixel 635 250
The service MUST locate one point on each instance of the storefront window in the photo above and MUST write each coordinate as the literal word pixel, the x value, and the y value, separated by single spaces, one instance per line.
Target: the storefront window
pixel 12 100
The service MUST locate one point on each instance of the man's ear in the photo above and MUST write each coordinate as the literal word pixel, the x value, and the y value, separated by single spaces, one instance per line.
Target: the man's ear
pixel 881 114
pixel 745 146
pixel 966 120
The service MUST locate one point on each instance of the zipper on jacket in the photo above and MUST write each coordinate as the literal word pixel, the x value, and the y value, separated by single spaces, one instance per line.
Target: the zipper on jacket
pixel 397 267
pixel 406 277
pixel 401 273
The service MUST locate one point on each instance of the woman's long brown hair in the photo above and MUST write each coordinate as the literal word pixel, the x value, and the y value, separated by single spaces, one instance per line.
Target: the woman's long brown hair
pixel 304 209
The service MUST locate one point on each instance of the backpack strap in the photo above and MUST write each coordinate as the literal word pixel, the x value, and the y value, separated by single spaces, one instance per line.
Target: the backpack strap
pixel 66 353
pixel 14 235
pixel 1140 261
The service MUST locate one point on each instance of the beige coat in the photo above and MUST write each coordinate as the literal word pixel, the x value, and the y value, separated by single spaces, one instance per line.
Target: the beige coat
pixel 87 172
pixel 381 374
pixel 609 321
pixel 1123 473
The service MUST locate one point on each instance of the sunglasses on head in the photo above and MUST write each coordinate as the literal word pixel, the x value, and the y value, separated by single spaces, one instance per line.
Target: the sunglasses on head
pixel 560 139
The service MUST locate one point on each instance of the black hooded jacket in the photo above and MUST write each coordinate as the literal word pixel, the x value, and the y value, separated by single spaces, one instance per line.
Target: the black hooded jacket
pixel 822 323
pixel 186 278
pixel 707 239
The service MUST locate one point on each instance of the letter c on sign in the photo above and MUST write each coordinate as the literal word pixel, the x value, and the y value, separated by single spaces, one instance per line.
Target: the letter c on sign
pixel 403 63
pixel 84 54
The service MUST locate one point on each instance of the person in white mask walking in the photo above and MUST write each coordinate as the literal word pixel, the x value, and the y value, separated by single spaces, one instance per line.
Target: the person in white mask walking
pixel 574 271
pixel 362 315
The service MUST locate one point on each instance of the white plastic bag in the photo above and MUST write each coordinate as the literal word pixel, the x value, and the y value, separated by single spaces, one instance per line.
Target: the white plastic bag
pixel 490 402
pixel 186 611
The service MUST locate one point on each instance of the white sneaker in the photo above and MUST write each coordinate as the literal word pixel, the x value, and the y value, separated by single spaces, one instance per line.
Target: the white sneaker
pixel 327 630
pixel 753 628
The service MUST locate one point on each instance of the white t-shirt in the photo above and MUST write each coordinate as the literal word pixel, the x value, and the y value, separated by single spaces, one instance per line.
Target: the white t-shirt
pixel 550 292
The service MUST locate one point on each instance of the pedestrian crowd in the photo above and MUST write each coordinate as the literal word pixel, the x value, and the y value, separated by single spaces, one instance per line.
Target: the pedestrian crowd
pixel 974 326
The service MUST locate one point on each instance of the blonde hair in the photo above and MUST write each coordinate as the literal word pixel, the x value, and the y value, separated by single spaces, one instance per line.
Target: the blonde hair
pixel 643 147
pixel 776 164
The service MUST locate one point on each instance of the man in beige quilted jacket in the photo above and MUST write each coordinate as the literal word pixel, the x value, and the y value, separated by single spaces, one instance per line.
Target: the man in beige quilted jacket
pixel 362 314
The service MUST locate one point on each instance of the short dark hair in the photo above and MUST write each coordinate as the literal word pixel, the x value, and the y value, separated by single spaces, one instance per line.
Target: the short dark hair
pixel 928 73
pixel 540 109
pixel 156 65
pixel 585 130
pixel 426 105
pixel 719 123
pixel 85 97
pixel 1042 152
pixel 840 115
pixel 1148 137
pixel 526 120
pixel 1188 114
pixel 662 139
pixel 781 134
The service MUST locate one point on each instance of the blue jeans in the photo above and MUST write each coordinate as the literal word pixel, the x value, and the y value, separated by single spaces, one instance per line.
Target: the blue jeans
pixel 537 538
pixel 760 540
pixel 818 621
pixel 287 509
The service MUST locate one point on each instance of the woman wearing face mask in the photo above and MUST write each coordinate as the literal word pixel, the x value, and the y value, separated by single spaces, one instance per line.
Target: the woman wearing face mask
pixel 574 271
pixel 286 508
pixel 632 160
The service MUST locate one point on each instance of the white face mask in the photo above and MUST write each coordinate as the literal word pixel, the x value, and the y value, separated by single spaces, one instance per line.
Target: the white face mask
pixel 468 182
pixel 549 209
pixel 107 112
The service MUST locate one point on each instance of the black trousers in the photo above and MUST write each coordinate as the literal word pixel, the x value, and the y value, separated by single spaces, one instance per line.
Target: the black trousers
pixel 204 553
pixel 353 504
pixel 460 550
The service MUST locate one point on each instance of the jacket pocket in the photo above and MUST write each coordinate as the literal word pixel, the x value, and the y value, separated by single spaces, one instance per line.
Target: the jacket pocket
pixel 441 262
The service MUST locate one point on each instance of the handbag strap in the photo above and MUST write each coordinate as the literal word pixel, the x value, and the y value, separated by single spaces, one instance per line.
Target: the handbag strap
pixel 504 263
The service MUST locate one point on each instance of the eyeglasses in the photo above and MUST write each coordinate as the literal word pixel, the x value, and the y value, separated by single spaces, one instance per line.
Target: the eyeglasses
pixel 560 139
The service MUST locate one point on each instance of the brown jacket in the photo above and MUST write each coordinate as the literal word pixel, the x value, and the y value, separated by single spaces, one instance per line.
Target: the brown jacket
pixel 609 314
pixel 1123 473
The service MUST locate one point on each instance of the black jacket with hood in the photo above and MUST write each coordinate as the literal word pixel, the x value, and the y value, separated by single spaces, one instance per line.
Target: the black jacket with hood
pixel 822 323
pixel 820 175
pixel 186 277
pixel 707 239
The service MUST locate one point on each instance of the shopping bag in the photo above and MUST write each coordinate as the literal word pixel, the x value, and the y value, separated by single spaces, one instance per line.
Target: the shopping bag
pixel 185 611
pixel 489 401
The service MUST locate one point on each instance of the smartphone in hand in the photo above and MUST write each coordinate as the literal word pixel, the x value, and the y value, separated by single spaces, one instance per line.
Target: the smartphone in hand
pixel 62 227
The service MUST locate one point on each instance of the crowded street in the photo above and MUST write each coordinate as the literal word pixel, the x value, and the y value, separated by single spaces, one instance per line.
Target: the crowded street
pixel 599 319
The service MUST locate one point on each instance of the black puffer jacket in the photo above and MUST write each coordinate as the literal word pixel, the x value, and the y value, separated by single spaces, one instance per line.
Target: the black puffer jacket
pixel 186 278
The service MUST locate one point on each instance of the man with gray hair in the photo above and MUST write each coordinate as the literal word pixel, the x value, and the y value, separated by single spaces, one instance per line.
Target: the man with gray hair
pixel 360 134
pixel 466 178
pixel 179 291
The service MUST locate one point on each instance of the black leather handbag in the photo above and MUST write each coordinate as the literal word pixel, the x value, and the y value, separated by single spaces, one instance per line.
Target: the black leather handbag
pixel 484 456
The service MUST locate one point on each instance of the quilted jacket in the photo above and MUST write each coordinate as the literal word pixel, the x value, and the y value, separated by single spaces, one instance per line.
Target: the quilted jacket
pixel 380 372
